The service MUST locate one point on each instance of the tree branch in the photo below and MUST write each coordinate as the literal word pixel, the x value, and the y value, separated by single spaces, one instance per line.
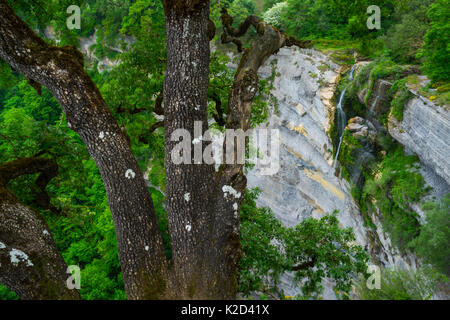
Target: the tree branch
pixel 144 138
pixel 305 265
pixel 30 262
pixel 218 116
pixel 158 109
pixel 245 85
pixel 135 110
pixel 48 169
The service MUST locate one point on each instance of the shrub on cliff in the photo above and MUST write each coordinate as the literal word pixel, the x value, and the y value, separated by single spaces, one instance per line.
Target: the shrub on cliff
pixel 314 249
pixel 432 243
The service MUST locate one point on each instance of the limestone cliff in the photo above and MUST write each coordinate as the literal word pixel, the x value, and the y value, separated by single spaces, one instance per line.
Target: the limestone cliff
pixel 423 131
pixel 306 184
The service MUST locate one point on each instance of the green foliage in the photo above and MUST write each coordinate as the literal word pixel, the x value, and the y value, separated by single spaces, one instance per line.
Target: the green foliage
pixel 432 243
pixel 273 15
pixel 395 186
pixel 267 4
pixel 240 10
pixel 314 248
pixel 7 78
pixel 436 49
pixel 384 68
pixel 6 294
pixel 261 256
pixel 336 19
pixel 401 97
pixel 401 284
pixel 349 147
pixel 405 38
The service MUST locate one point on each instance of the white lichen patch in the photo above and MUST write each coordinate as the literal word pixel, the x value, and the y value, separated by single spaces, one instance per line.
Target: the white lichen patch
pixel 2 245
pixel 18 256
pixel 130 174
pixel 45 233
pixel 147 248
pixel 230 190
pixel 69 125
pixel 188 227
pixel 101 135
pixel 187 196
pixel 197 140
pixel 235 206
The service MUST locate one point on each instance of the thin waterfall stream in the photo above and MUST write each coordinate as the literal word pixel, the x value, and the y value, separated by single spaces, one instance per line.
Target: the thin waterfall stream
pixel 342 118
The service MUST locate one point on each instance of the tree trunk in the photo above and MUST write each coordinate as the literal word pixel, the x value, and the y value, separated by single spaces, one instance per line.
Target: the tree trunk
pixel 30 264
pixel 202 205
pixel 194 197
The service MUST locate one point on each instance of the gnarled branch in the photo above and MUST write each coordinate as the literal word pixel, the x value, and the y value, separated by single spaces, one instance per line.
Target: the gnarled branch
pixel 245 85
pixel 30 263
pixel 218 116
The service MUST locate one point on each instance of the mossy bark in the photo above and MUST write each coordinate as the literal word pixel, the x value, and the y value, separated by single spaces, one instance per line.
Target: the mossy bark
pixel 30 263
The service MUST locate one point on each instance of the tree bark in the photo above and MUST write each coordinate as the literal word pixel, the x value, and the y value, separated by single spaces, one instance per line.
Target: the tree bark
pixel 60 69
pixel 30 263
pixel 193 194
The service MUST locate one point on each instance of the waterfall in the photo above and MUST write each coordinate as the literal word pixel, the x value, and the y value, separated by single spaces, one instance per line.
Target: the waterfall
pixel 342 117
pixel 341 123
pixel 351 72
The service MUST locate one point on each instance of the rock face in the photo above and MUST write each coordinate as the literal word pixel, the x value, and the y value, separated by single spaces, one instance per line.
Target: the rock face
pixel 306 185
pixel 425 130
pixel 360 127
pixel 365 132
pixel 378 102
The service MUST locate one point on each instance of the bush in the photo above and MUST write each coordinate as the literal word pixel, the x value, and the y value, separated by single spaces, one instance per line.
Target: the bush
pixel 273 15
pixel 401 98
pixel 395 187
pixel 314 249
pixel 432 243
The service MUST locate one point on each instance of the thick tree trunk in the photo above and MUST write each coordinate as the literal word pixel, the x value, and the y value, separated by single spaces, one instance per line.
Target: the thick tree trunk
pixel 194 197
pixel 60 69
pixel 202 204
pixel 30 264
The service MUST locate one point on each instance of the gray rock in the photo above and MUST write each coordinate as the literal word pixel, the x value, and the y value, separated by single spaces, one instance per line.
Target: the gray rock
pixel 306 184
pixel 425 130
